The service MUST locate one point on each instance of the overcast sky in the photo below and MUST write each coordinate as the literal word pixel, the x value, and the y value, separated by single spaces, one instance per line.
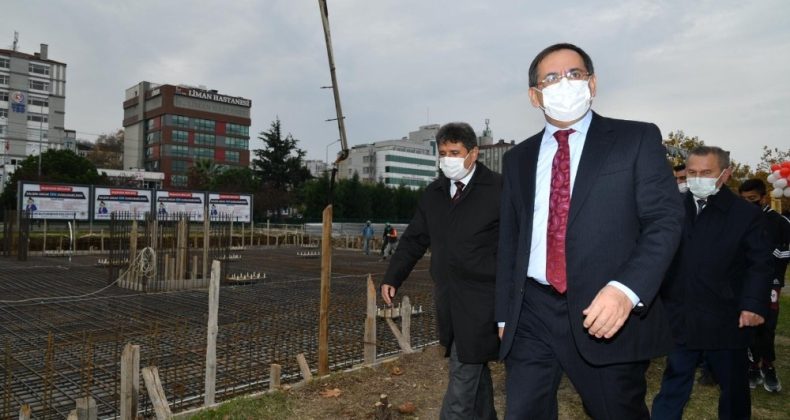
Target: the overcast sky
pixel 719 70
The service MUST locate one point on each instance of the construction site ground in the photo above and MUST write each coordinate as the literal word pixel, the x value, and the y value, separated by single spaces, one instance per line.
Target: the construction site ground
pixel 63 325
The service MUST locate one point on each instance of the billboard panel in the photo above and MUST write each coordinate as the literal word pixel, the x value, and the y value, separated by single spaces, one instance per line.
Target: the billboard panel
pixel 108 200
pixel 52 201
pixel 237 206
pixel 170 202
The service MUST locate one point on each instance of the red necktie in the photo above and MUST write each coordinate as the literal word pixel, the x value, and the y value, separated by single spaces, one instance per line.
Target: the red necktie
pixel 459 187
pixel 559 205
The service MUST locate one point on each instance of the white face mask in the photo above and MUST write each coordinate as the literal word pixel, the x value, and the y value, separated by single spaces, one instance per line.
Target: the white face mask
pixel 703 188
pixel 683 187
pixel 453 167
pixel 567 100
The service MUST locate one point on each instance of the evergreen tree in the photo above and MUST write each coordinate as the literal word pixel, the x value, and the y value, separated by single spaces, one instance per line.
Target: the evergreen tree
pixel 279 166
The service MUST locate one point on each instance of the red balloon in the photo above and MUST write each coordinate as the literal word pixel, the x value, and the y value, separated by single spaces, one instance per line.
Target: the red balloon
pixel 784 172
pixel 775 167
pixel 786 164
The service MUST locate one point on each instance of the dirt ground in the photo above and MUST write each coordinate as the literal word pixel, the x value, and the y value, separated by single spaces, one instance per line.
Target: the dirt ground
pixel 419 379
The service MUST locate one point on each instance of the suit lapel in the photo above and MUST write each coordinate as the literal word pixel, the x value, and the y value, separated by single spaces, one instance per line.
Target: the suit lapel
pixel 597 145
pixel 527 173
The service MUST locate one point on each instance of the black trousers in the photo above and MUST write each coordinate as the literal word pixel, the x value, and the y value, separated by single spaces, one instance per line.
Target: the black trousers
pixel 544 348
pixel 762 347
pixel 470 391
pixel 729 367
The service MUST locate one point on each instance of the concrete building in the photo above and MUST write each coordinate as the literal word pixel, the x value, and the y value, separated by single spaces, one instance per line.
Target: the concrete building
pixel 168 128
pixel 410 161
pixel 491 154
pixel 32 104
pixel 316 167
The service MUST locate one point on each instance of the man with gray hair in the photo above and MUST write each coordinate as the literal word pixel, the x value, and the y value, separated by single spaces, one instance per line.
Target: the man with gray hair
pixel 717 289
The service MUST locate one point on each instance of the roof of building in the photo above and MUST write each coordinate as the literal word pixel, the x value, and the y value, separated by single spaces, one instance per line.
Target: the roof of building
pixel 26 56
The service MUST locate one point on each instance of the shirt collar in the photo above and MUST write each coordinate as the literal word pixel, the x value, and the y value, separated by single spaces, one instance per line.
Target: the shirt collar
pixel 581 126
pixel 468 177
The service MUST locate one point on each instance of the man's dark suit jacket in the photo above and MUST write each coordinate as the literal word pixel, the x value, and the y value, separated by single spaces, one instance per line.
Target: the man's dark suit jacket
pixel 463 242
pixel 723 266
pixel 624 224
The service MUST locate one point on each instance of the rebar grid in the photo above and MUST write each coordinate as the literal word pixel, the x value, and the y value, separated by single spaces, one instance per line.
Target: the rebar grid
pixel 259 324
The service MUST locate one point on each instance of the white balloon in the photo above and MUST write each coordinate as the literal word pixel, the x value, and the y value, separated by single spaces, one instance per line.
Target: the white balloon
pixel 777 174
pixel 780 183
pixel 771 179
pixel 777 193
pixel 787 192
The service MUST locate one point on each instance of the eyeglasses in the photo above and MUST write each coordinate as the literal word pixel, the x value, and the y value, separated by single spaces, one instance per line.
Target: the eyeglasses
pixel 574 74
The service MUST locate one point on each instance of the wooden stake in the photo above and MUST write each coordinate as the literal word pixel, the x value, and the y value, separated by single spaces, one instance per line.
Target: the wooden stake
pixel 405 320
pixel 211 346
pixel 405 346
pixel 156 394
pixel 44 242
pixel 86 409
pixel 326 277
pixel 370 324
pixel 304 367
pixel 275 374
pixel 130 381
pixel 25 412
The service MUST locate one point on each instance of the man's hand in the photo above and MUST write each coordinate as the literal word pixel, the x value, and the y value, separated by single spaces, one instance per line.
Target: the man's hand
pixel 607 313
pixel 387 293
pixel 501 332
pixel 749 319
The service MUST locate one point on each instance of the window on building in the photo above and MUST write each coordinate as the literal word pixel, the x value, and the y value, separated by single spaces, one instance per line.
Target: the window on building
pixel 5 62
pixel 38 101
pixel 203 152
pixel 237 143
pixel 365 159
pixel 149 152
pixel 409 171
pixel 365 170
pixel 38 85
pixel 179 166
pixel 3 96
pixel 231 156
pixel 154 137
pixel 176 150
pixel 39 68
pixel 38 118
pixel 3 79
pixel 237 129
pixel 205 139
pixel 203 125
pixel 406 159
pixel 3 113
pixel 179 120
pixel 2 130
pixel 152 123
pixel 179 136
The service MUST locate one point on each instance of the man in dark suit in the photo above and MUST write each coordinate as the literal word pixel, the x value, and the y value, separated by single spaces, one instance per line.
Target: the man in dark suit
pixel 458 218
pixel 717 288
pixel 590 220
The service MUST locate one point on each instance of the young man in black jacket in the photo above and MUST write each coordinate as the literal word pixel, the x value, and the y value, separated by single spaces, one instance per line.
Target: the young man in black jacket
pixel 761 369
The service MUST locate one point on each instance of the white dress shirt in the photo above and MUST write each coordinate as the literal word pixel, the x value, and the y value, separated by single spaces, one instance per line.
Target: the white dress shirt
pixel 540 216
pixel 465 180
